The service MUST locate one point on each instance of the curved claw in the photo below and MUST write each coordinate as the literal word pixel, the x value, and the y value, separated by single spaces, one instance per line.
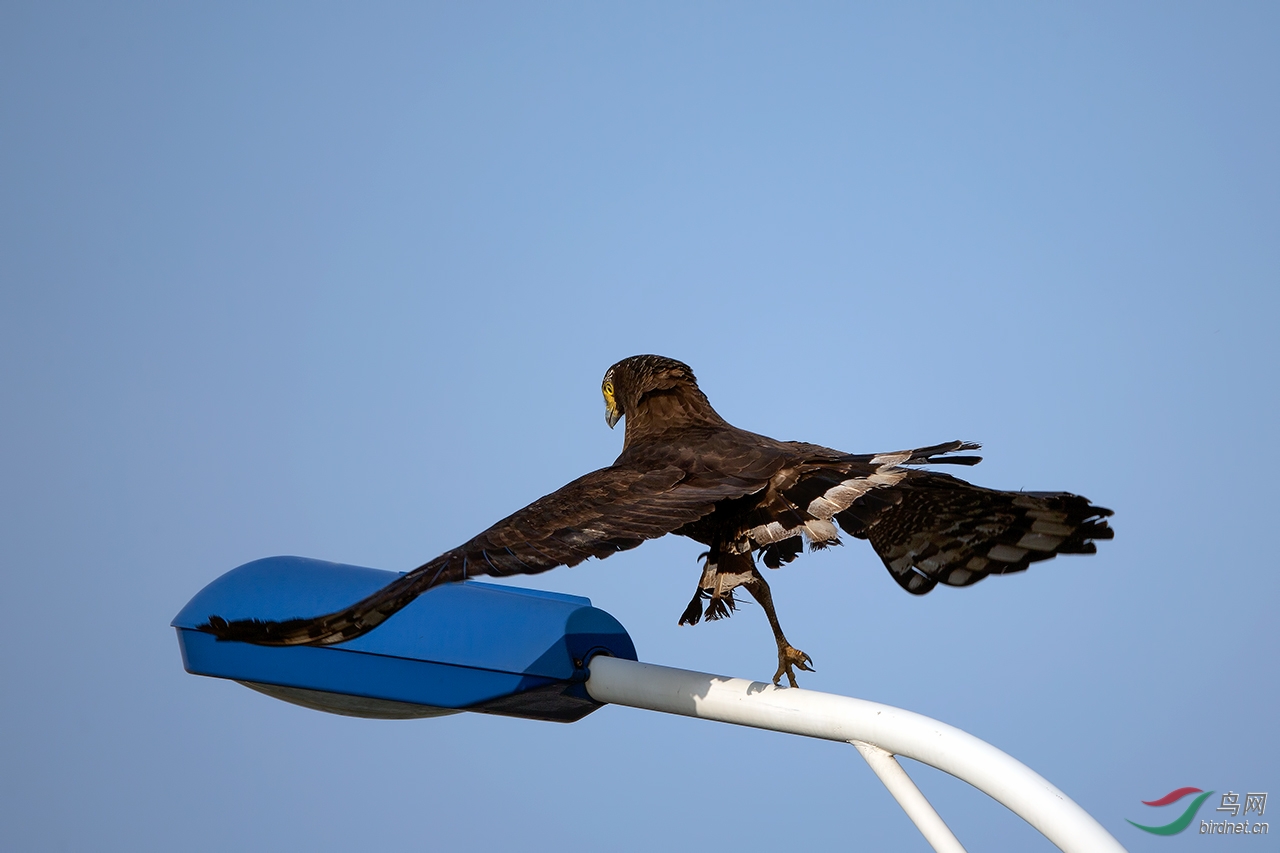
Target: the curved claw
pixel 791 657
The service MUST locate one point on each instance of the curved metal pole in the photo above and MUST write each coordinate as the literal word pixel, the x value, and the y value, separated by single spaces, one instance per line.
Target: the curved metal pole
pixel 843 718
pixel 913 802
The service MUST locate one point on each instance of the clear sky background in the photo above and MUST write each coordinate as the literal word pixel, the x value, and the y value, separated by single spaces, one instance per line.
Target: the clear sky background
pixel 342 282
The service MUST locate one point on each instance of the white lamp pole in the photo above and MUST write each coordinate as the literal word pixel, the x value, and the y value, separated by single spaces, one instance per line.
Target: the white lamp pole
pixel 878 731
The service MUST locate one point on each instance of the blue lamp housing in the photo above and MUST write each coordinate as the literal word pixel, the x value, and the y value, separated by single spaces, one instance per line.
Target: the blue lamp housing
pixel 459 647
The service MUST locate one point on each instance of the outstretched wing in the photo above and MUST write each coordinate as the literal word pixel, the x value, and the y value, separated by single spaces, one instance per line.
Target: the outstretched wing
pixel 931 528
pixel 604 512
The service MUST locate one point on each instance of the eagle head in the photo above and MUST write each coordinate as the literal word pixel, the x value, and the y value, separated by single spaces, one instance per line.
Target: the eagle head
pixel 632 378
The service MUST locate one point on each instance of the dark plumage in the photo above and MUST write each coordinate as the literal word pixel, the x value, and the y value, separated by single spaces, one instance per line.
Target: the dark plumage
pixel 685 470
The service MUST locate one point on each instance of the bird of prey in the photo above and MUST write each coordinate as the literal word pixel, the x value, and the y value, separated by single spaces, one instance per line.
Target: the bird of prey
pixel 750 500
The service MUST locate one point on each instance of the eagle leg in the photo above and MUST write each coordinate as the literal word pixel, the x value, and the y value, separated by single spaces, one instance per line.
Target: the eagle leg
pixel 717 585
pixel 693 613
pixel 789 657
pixel 720 607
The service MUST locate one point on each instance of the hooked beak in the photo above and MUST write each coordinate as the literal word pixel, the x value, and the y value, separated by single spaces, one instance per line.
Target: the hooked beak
pixel 611 415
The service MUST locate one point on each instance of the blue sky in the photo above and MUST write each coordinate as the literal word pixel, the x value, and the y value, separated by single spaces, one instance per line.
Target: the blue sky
pixel 342 282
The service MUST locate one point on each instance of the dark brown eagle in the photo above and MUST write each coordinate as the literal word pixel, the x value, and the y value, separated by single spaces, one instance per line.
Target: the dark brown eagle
pixel 749 499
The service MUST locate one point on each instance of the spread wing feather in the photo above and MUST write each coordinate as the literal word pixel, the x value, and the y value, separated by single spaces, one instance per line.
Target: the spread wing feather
pixel 931 528
pixel 604 512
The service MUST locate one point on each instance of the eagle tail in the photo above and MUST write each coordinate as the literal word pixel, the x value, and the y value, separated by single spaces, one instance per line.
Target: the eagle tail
pixel 342 625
